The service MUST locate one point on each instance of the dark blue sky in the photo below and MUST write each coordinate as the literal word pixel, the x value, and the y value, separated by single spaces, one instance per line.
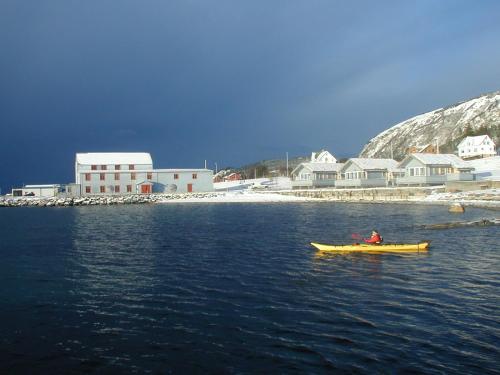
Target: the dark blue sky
pixel 230 81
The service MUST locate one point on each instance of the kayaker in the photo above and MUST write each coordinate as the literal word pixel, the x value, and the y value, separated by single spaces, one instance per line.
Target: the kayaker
pixel 375 238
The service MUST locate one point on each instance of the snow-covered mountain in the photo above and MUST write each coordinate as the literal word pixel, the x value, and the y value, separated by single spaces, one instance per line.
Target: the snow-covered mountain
pixel 445 127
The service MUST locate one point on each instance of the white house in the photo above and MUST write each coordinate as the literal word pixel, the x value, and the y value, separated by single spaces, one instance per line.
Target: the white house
pixel 478 146
pixel 322 156
pixel 133 173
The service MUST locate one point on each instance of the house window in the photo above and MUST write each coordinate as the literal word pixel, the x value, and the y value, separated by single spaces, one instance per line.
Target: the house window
pixel 117 188
pixel 104 167
pixel 87 176
pixel 102 176
pixel 176 176
pixel 117 176
pixel 132 176
pixel 87 189
pixel 118 167
pixel 93 167
pixel 102 189
pixel 129 188
pixel 131 167
pixel 195 176
pixel 149 176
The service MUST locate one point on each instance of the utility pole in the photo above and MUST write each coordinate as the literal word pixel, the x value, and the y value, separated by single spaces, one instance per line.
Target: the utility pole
pixel 205 163
pixel 287 164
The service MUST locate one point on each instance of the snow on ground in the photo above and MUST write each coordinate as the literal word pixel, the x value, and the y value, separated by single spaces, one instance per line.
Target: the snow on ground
pixel 486 168
pixel 275 183
pixel 243 196
pixel 268 190
pixel 486 198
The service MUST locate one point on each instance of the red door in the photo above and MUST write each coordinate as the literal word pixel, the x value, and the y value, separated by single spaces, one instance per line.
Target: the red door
pixel 190 188
pixel 146 189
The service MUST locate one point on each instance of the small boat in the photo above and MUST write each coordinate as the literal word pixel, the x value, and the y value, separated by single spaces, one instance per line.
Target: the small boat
pixel 381 248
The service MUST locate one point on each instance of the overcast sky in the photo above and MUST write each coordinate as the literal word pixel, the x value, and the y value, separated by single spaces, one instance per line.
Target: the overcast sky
pixel 232 82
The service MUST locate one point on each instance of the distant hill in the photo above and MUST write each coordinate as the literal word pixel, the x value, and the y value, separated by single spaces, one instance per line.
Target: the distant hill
pixel 444 126
pixel 268 168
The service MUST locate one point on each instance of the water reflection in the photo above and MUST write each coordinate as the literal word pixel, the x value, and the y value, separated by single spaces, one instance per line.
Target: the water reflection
pixel 114 248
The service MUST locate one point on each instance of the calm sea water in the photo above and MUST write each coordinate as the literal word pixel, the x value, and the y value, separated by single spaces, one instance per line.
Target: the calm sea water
pixel 235 288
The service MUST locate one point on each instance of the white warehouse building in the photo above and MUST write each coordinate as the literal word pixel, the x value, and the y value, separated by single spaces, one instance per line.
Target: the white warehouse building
pixel 133 173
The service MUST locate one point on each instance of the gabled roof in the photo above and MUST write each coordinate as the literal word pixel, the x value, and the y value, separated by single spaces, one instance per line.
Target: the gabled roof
pixel 107 158
pixel 374 164
pixel 315 156
pixel 436 159
pixel 477 140
pixel 319 167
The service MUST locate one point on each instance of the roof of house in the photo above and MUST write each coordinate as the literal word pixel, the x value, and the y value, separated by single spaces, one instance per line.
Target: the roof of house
pixel 437 159
pixel 106 158
pixel 320 167
pixel 371 163
pixel 477 140
pixel 41 186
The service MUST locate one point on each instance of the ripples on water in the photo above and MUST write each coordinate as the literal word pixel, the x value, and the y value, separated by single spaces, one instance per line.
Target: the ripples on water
pixel 235 288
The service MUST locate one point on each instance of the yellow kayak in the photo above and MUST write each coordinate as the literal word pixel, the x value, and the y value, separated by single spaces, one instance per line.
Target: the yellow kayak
pixel 390 247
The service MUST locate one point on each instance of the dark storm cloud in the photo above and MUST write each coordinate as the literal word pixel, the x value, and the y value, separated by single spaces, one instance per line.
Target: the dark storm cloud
pixel 227 81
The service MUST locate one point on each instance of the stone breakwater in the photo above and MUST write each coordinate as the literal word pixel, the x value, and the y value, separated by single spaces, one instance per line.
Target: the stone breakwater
pixel 96 200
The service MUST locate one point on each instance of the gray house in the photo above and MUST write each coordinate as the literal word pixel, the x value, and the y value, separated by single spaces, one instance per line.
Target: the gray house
pixel 133 173
pixel 315 175
pixel 368 172
pixel 433 169
pixel 320 172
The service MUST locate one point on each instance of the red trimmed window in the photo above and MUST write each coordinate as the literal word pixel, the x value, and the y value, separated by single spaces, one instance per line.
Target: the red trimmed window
pixel 132 176
pixel 104 167
pixel 129 188
pixel 102 189
pixel 117 188
pixel 102 176
pixel 117 176
pixel 195 176
pixel 93 167
pixel 87 176
pixel 87 189
pixel 176 176
pixel 150 176
pixel 131 167
pixel 118 167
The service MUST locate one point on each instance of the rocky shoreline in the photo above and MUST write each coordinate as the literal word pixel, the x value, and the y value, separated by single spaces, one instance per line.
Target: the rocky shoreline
pixel 96 200
pixel 488 200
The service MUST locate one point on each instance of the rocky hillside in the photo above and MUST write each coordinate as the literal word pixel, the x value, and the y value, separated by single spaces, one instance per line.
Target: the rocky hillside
pixel 444 126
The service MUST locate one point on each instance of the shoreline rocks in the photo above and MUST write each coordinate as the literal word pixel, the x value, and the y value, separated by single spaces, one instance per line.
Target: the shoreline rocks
pixel 462 224
pixel 95 200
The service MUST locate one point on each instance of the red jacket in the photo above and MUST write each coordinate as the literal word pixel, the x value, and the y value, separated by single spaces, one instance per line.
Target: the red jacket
pixel 375 238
